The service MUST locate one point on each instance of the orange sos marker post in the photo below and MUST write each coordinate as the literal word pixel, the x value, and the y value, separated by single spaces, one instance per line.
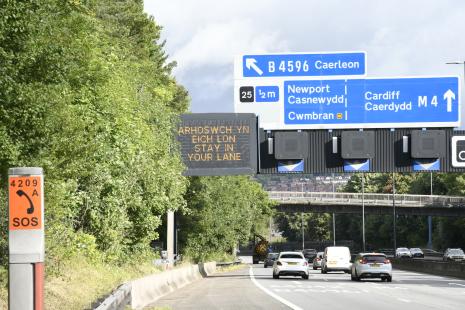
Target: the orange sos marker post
pixel 26 238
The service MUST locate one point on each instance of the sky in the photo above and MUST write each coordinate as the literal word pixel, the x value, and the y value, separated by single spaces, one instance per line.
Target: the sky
pixel 401 37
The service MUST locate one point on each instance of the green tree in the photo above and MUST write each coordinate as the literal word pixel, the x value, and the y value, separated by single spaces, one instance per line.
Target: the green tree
pixel 223 211
pixel 86 93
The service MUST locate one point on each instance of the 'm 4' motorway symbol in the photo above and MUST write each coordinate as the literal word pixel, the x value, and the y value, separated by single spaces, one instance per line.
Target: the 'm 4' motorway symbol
pixel 449 96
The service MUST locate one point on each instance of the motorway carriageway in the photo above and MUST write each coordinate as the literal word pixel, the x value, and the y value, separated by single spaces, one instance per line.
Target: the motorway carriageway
pixel 252 287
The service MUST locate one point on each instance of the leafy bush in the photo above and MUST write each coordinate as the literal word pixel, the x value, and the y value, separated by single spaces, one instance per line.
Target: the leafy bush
pixel 87 94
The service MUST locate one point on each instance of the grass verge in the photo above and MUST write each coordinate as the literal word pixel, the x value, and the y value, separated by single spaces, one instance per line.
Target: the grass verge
pixel 83 282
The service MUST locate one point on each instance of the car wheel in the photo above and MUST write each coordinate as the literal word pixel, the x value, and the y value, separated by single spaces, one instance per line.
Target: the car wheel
pixel 275 276
pixel 389 279
pixel 352 277
pixel 264 266
pixel 305 276
pixel 314 268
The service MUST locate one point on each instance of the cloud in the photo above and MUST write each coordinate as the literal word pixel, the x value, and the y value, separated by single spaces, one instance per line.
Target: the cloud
pixel 216 44
pixel 401 37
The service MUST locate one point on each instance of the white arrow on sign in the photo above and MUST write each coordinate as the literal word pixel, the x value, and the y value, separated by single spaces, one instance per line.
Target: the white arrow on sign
pixel 251 63
pixel 449 95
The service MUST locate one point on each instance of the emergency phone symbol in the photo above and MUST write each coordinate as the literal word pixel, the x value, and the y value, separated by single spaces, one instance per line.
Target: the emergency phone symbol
pixel 21 193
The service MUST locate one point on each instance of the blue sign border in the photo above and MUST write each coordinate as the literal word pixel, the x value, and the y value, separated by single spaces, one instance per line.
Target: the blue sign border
pixel 341 83
pixel 304 64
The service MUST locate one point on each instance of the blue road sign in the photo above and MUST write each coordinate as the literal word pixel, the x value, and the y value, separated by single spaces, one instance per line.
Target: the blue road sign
pixel 358 103
pixel 427 165
pixel 266 93
pixel 355 165
pixel 291 166
pixel 274 65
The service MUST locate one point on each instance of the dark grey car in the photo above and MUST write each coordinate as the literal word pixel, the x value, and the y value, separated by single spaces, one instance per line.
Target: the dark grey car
pixel 270 258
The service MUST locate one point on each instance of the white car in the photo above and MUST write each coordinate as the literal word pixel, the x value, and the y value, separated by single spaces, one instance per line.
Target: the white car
pixel 336 258
pixel 403 252
pixel 290 264
pixel 371 265
pixel 454 255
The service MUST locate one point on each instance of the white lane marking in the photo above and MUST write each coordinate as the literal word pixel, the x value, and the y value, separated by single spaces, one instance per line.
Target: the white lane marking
pixel 270 293
pixel 404 300
pixel 457 284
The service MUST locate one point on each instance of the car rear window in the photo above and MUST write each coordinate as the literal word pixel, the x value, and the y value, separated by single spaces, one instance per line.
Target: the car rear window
pixel 374 258
pixel 291 256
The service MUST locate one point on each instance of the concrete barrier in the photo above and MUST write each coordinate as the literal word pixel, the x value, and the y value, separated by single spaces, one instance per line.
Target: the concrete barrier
pixel 147 290
pixel 449 269
pixel 118 299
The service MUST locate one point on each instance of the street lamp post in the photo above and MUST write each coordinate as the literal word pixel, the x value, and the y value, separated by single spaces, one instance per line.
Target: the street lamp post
pixel 363 211
pixel 334 215
pixel 303 232
pixel 394 210
pixel 430 218
pixel 302 221
pixel 458 63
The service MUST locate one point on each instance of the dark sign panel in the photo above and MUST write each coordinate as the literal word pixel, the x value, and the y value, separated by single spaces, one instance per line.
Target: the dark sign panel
pixel 218 143
pixel 372 150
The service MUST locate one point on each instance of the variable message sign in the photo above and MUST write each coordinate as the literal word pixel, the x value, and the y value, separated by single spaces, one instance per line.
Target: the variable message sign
pixel 218 143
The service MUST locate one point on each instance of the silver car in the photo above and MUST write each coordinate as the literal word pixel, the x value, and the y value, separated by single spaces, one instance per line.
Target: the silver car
pixel 371 265
pixel 317 260
pixel 403 252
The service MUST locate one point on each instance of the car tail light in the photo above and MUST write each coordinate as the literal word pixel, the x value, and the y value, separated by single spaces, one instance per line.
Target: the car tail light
pixel 387 261
pixel 318 259
pixel 363 261
pixel 279 263
pixel 305 263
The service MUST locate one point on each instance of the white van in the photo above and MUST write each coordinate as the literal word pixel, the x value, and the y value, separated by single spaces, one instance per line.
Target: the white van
pixel 336 258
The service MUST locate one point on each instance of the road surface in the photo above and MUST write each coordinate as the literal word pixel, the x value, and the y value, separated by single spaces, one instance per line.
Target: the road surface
pixel 253 288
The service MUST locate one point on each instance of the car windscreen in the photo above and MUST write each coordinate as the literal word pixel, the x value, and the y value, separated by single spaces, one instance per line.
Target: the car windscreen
pixel 374 258
pixel 402 249
pixel 291 256
pixel 309 254
pixel 415 250
pixel 456 252
pixel 309 251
